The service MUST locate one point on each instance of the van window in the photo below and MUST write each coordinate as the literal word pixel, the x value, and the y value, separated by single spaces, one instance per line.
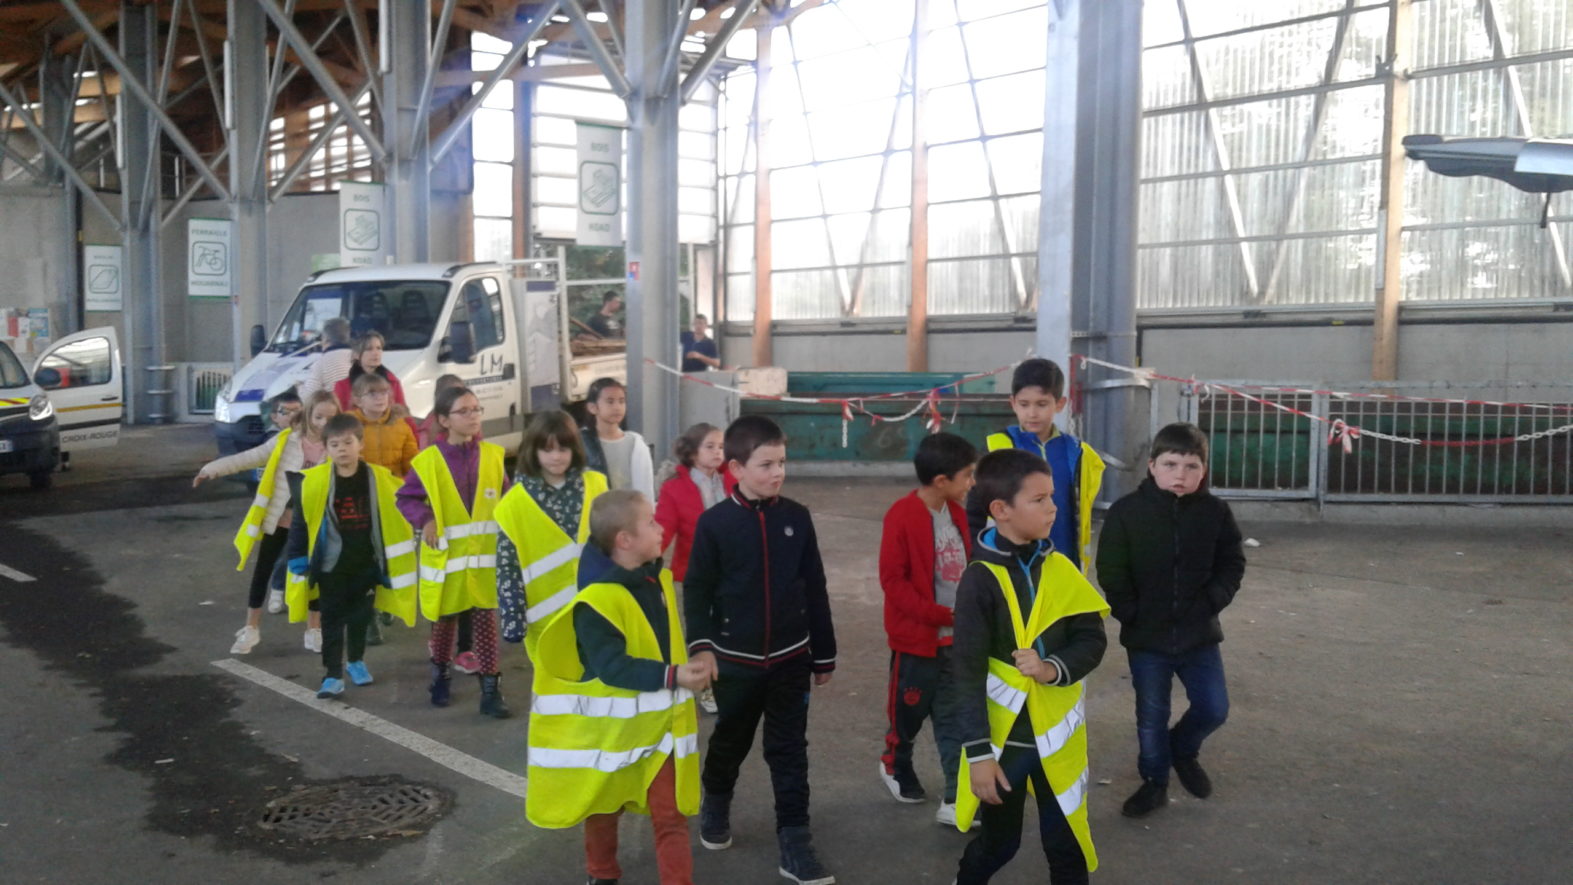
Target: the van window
pixel 480 303
pixel 11 372
pixel 405 312
pixel 81 363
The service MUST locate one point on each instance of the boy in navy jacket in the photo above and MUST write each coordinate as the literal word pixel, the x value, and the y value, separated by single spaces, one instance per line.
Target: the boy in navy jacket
pixel 923 551
pixel 758 615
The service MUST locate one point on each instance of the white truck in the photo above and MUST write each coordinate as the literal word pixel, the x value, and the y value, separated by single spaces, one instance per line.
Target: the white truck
pixel 502 327
pixel 70 401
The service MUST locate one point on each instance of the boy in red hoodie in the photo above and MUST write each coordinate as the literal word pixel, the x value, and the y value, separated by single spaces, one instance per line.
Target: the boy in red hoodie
pixel 922 553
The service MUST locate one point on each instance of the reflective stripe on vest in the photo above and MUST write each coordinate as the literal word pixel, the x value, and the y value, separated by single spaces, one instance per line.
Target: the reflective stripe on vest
pixel 461 573
pixel 548 557
pixel 1056 713
pixel 593 748
pixel 397 596
pixel 251 526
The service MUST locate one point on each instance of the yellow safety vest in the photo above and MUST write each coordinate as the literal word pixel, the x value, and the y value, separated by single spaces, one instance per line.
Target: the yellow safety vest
pixel 1058 713
pixel 461 572
pixel 594 749
pixel 251 526
pixel 398 542
pixel 548 558
pixel 1090 469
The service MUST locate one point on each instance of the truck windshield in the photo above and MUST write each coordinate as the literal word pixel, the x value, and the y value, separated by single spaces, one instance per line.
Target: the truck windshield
pixel 405 312
pixel 11 372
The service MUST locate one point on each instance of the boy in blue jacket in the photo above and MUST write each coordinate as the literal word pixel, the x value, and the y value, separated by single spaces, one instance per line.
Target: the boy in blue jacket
pixel 758 616
pixel 1037 396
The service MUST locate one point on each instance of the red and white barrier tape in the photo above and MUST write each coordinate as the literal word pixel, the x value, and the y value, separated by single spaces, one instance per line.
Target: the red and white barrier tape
pixel 1341 432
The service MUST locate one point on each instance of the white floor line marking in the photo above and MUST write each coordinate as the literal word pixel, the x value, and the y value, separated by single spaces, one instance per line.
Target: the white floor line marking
pixel 15 575
pixel 440 753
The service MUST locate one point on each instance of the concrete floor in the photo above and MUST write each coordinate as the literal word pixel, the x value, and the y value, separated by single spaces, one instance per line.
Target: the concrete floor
pixel 1402 713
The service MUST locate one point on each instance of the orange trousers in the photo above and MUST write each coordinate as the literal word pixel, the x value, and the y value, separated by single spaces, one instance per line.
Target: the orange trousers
pixel 674 856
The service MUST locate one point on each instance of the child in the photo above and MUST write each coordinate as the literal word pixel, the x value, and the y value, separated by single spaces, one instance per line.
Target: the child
pixel 700 482
pixel 544 522
pixel 758 617
pixel 348 542
pixel 1169 560
pixel 1037 395
pixel 281 411
pixel 922 552
pixel 448 498
pixel 390 442
pixel 619 651
pixel 367 355
pixel 295 448
pixel 621 454
pixel 427 432
pixel 1029 628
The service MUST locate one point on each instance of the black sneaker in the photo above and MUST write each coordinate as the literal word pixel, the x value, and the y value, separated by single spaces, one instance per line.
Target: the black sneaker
pixel 715 822
pixel 904 784
pixel 799 863
pixel 1149 798
pixel 1193 778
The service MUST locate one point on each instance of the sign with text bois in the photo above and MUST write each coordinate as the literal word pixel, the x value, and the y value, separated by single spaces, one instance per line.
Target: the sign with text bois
pixel 361 213
pixel 600 186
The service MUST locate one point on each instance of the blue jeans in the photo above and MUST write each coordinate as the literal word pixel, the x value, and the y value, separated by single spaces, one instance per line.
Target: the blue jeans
pixel 1152 674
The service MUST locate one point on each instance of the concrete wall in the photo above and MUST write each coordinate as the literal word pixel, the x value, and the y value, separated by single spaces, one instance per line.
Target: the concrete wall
pixel 31 263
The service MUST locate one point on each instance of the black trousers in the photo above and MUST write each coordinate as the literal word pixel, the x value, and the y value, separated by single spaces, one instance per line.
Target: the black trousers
pixel 1001 836
pixel 346 609
pixel 778 694
pixel 923 688
pixel 269 547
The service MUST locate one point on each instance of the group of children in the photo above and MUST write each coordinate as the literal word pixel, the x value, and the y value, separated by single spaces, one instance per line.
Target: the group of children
pixel 992 625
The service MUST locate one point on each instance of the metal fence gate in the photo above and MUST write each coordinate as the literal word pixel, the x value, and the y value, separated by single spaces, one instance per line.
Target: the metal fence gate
pixel 1487 442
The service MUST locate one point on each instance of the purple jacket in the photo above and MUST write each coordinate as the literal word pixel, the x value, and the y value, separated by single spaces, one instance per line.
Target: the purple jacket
pixel 464 462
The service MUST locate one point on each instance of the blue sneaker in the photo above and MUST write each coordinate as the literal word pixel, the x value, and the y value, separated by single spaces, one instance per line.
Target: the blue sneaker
pixel 331 688
pixel 358 673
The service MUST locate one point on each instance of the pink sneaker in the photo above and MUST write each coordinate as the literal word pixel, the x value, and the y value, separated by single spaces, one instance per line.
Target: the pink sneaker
pixel 467 662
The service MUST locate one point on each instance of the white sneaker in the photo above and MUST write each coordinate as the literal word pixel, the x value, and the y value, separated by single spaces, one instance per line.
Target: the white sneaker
pixel 314 641
pixel 275 601
pixel 707 700
pixel 946 815
pixel 246 639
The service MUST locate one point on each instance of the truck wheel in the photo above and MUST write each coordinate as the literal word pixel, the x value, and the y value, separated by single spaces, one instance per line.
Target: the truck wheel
pixel 41 479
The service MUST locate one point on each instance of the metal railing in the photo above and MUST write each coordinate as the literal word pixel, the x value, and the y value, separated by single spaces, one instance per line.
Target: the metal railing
pixel 1434 443
pixel 203 382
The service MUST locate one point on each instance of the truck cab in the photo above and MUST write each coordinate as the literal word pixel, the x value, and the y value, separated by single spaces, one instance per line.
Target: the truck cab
pixel 71 400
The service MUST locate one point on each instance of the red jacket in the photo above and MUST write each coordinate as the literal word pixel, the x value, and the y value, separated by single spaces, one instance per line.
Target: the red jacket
pixel 906 574
pixel 677 510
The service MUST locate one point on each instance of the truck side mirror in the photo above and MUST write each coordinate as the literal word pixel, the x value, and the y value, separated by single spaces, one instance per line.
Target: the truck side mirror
pixel 48 379
pixel 259 339
pixel 461 343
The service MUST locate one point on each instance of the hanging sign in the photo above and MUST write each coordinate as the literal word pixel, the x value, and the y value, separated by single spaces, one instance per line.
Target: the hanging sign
pixel 361 212
pixel 600 185
pixel 102 270
pixel 208 252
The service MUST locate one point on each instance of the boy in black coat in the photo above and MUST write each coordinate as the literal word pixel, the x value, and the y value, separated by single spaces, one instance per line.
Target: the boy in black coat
pixel 758 615
pixel 1169 560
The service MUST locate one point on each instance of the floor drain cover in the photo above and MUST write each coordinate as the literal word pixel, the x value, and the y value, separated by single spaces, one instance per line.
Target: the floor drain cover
pixel 354 808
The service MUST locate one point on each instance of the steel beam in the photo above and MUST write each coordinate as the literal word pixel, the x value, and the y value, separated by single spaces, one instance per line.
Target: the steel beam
pixel 457 127
pixel 328 128
pixel 763 266
pixel 597 48
pixel 134 84
pixel 144 294
pixel 653 296
pixel 408 163
pixel 251 96
pixel 1390 208
pixel 674 46
pixel 57 85
pixel 716 47
pixel 60 160
pixel 330 87
pixel 918 295
pixel 434 61
pixel 1057 228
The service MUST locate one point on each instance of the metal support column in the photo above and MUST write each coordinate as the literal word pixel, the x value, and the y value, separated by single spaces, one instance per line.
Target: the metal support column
pixel 140 192
pixel 652 221
pixel 405 60
pixel 764 112
pixel 56 78
pixel 1087 266
pixel 250 105
pixel 1390 209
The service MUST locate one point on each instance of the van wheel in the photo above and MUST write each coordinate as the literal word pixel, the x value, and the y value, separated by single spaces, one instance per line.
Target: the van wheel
pixel 41 479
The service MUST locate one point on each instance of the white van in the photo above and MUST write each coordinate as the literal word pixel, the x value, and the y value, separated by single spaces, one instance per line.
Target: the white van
pixel 503 334
pixel 71 400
